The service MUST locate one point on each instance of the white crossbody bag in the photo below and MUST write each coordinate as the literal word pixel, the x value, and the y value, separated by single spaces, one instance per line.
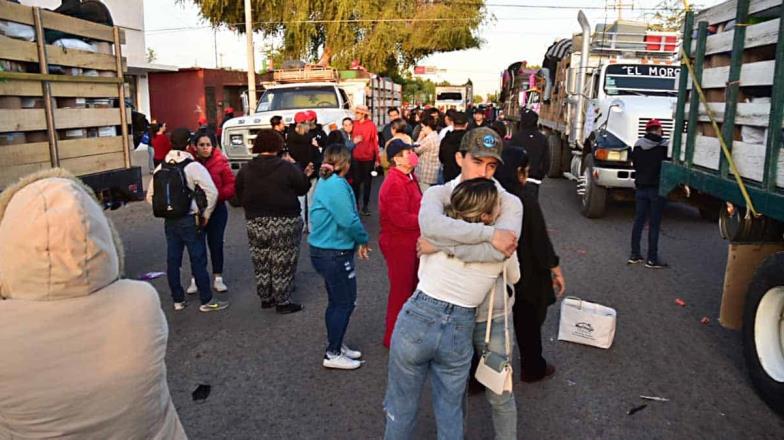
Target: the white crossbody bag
pixel 495 369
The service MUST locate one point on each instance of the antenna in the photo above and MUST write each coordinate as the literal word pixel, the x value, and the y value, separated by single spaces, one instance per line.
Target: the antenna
pixel 620 5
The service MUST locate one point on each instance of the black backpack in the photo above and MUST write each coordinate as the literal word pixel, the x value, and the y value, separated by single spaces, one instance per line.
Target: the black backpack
pixel 171 196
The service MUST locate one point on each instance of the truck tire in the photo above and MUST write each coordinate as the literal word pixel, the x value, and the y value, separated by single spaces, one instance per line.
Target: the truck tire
pixel 593 200
pixel 554 153
pixel 763 331
pixel 566 157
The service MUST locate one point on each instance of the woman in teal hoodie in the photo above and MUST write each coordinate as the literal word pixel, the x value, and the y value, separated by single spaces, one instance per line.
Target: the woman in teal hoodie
pixel 335 235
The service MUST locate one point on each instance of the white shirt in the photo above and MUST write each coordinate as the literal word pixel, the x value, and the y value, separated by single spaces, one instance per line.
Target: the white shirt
pixel 444 131
pixel 464 284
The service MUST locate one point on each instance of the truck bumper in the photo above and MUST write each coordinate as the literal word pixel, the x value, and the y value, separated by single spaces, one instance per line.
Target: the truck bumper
pixel 116 187
pixel 614 177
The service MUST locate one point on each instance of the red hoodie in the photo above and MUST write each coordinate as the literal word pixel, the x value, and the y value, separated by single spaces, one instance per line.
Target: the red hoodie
pixel 367 150
pixel 220 171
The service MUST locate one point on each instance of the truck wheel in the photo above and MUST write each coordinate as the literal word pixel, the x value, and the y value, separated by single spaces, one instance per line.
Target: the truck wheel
pixel 566 157
pixel 554 151
pixel 593 201
pixel 763 331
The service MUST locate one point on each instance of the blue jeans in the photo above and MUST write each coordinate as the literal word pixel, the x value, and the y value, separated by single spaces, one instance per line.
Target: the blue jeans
pixel 503 406
pixel 215 230
pixel 180 234
pixel 430 337
pixel 339 273
pixel 648 208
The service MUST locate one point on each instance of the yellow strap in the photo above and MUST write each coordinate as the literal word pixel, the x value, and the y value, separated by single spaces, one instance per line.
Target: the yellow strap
pixel 727 154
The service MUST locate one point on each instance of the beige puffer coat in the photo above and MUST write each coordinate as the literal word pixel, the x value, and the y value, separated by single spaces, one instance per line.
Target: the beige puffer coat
pixel 81 350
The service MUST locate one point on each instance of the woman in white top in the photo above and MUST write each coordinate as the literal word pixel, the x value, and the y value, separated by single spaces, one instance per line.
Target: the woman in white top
pixel 433 333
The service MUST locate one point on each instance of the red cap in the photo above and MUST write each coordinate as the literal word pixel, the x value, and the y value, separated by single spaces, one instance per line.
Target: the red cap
pixel 311 115
pixel 300 117
pixel 653 123
pixel 228 110
pixel 202 120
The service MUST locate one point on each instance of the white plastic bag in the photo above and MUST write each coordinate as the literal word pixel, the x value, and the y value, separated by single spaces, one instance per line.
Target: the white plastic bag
pixel 586 323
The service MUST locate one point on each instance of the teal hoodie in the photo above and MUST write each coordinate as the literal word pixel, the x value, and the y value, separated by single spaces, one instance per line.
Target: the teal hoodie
pixel 334 218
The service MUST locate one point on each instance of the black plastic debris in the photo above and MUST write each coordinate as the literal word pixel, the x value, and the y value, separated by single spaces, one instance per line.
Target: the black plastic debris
pixel 201 392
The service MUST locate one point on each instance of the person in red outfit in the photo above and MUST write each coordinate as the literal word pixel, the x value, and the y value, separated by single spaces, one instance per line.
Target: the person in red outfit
pixel 204 149
pixel 160 142
pixel 398 204
pixel 364 156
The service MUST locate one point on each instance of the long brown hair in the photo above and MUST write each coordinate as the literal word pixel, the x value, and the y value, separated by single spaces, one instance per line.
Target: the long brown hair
pixel 472 198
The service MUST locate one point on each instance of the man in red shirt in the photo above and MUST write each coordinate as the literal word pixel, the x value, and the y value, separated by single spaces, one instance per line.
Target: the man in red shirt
pixel 364 155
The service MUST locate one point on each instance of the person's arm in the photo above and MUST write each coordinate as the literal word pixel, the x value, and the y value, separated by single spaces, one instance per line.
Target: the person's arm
pixel 438 228
pixel 239 185
pixel 228 182
pixel 196 174
pixel 426 145
pixel 512 270
pixel 541 245
pixel 374 144
pixel 341 205
pixel 299 181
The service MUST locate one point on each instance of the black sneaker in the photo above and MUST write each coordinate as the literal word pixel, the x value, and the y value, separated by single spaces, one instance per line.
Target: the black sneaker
pixel 285 309
pixel 656 264
pixel 267 304
pixel 634 259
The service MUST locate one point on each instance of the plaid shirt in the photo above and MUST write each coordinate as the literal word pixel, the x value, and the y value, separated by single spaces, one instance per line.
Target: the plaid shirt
pixel 427 169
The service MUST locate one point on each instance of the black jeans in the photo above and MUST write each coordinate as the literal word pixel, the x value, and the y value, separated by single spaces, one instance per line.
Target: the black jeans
pixel 362 181
pixel 648 208
pixel 528 320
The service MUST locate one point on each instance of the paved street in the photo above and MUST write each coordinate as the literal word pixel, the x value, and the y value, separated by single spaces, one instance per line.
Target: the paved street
pixel 267 380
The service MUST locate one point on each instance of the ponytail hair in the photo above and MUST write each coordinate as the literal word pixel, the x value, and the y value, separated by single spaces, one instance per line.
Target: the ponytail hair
pixel 336 158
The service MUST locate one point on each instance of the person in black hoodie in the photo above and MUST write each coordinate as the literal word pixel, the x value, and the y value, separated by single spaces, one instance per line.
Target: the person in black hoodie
pixel 543 281
pixel 268 187
pixel 450 145
pixel 647 156
pixel 534 143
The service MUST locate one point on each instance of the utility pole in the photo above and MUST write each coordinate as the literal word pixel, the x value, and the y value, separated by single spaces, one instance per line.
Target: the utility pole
pixel 215 44
pixel 251 60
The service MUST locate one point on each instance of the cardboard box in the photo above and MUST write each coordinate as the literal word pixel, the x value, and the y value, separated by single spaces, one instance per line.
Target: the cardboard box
pixel 742 261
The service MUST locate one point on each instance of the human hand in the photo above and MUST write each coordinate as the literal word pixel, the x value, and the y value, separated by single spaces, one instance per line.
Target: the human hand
pixel 203 222
pixel 505 241
pixel 309 169
pixel 424 247
pixel 287 157
pixel 358 139
pixel 559 284
pixel 364 252
pixel 314 142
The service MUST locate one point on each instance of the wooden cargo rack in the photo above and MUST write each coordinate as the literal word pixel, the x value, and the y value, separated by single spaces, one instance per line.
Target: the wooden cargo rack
pixel 66 120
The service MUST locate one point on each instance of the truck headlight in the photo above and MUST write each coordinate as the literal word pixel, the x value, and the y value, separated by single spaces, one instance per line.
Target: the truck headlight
pixel 235 139
pixel 611 155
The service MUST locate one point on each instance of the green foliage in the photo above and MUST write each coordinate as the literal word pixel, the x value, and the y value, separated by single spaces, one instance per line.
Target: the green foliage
pixel 668 17
pixel 492 97
pixel 478 99
pixel 383 35
pixel 417 89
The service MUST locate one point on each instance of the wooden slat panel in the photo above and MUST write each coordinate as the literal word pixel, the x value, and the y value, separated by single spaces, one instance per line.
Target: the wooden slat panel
pixel 11 174
pixel 749 158
pixel 22 120
pixel 16 13
pixel 94 164
pixel 21 76
pixel 80 58
pixel 753 114
pixel 751 74
pixel 34 119
pixel 75 26
pixel 24 154
pixel 71 90
pixel 73 148
pixel 18 50
pixel 86 117
pixel 725 11
pixel 757 35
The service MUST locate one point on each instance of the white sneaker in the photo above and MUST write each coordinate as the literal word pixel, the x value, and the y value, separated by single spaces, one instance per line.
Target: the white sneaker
pixel 192 288
pixel 179 306
pixel 349 353
pixel 219 286
pixel 340 362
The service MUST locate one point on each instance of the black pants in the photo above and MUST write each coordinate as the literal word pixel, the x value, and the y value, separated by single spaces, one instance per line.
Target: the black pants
pixel 362 181
pixel 528 320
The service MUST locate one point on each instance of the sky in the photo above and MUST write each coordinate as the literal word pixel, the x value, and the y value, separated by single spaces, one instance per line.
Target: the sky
pixel 520 30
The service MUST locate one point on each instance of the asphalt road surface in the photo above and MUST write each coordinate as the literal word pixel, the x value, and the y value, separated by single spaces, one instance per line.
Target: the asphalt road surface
pixel 267 380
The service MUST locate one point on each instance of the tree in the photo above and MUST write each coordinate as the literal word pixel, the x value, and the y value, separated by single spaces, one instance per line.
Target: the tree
pixel 669 16
pixel 382 35
pixel 417 89
pixel 478 99
pixel 151 55
pixel 492 97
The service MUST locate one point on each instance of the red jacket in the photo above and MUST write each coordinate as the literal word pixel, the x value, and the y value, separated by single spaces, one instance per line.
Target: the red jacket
pixel 220 171
pixel 398 202
pixel 368 148
pixel 161 145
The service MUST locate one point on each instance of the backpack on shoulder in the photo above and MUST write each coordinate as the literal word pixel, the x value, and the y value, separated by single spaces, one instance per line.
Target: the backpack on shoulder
pixel 171 196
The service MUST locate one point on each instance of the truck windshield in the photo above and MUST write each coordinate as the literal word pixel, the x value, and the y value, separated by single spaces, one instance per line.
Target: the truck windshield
pixel 449 96
pixel 633 79
pixel 292 98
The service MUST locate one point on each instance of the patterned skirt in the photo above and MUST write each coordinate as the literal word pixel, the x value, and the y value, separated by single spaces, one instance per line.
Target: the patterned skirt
pixel 274 249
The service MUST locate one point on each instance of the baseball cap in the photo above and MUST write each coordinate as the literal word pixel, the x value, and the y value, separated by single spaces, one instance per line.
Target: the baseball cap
pixel 459 118
pixel 202 120
pixel 228 110
pixel 396 146
pixel 310 115
pixel 300 117
pixel 653 123
pixel 483 142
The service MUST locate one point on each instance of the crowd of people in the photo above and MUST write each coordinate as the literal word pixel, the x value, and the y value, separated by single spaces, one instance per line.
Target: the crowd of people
pixel 459 223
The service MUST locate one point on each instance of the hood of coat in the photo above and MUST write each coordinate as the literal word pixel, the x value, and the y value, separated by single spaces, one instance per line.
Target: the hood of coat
pixel 651 140
pixel 55 240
